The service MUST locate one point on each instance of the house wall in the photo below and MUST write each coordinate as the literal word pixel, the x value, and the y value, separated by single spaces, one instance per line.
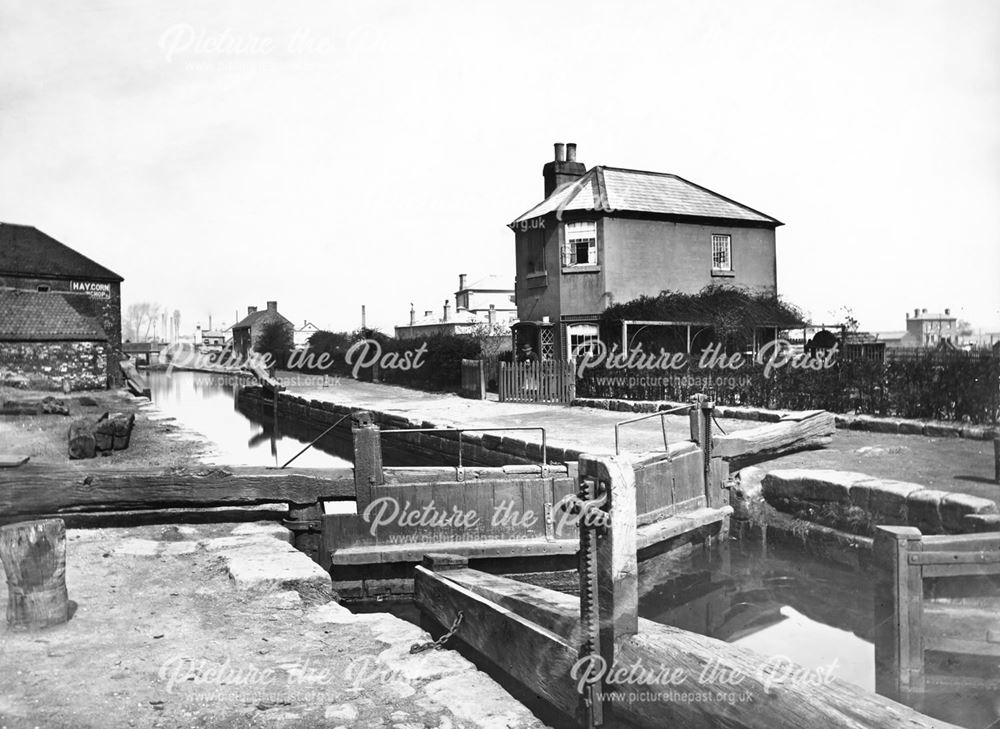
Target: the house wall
pixel 649 256
pixel 105 299
pixel 46 365
pixel 635 257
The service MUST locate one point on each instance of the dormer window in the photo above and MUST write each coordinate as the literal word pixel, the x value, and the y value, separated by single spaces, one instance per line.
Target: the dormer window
pixel 580 248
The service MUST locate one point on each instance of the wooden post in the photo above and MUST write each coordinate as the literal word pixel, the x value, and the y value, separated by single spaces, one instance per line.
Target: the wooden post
pixel 82 442
pixel 996 457
pixel 899 650
pixel 367 457
pixel 34 557
pixel 305 522
pixel 697 418
pixel 617 565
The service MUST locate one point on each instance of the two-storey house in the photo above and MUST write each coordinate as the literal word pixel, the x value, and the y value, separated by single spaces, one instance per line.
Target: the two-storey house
pixel 609 235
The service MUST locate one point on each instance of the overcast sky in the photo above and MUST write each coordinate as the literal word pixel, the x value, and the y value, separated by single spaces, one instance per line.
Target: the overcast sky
pixel 328 155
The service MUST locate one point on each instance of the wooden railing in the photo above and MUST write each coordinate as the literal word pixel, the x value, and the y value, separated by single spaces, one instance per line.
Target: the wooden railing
pixel 911 617
pixel 553 381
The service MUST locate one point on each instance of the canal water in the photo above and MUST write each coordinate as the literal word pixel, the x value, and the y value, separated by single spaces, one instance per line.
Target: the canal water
pixel 206 403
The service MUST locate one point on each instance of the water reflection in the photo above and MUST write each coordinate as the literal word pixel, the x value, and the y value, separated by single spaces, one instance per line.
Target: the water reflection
pixel 781 601
pixel 207 404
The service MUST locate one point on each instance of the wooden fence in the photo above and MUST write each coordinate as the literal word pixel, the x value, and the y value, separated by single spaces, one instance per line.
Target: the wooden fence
pixel 473 379
pixel 935 595
pixel 552 381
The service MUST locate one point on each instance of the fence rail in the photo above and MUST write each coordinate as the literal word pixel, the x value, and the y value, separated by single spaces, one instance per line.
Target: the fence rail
pixel 553 381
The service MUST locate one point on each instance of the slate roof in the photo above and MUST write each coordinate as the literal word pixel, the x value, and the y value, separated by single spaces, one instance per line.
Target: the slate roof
pixel 31 316
pixel 260 317
pixel 25 250
pixel 613 189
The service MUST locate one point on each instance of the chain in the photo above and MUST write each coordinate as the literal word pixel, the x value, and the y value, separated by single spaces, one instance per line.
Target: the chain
pixel 439 643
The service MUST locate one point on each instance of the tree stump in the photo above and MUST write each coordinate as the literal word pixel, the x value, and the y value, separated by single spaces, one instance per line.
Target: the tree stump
pixel 82 443
pixel 34 557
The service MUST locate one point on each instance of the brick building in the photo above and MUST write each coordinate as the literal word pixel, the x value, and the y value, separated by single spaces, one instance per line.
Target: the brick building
pixel 609 235
pixel 248 329
pixel 34 262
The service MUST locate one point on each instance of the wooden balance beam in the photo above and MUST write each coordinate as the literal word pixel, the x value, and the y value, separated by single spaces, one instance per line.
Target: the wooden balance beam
pixel 535 635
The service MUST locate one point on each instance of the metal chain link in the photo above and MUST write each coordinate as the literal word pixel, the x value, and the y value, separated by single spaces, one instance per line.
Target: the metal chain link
pixel 439 643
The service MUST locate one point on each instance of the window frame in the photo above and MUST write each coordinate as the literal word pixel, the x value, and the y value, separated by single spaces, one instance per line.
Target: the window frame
pixel 717 237
pixel 575 234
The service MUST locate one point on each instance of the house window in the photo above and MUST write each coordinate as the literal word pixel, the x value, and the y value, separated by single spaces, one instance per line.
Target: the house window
pixel 578 336
pixel 536 253
pixel 581 244
pixel 722 253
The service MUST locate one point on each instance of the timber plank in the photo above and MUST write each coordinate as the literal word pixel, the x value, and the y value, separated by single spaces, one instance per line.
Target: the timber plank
pixel 534 656
pixel 753 445
pixel 414 552
pixel 10 461
pixel 43 489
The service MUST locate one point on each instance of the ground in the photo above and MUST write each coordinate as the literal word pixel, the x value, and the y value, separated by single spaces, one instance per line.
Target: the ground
pixel 161 637
pixel 156 441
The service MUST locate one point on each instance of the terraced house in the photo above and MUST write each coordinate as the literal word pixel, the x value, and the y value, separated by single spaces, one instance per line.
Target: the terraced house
pixel 609 235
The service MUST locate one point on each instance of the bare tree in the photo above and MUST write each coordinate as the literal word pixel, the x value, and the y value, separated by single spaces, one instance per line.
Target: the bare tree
pixel 140 318
pixel 492 338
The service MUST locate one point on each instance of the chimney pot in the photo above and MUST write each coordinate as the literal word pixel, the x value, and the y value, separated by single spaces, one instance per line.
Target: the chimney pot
pixel 560 152
pixel 272 306
pixel 947 312
pixel 571 152
pixel 461 281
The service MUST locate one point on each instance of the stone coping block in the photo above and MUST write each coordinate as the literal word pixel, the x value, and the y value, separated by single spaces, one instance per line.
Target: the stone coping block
pixel 811 484
pixel 889 502
pixel 955 507
pixel 869 423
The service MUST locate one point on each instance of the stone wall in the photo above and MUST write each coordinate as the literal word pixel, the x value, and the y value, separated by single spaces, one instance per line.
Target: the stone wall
pixel 46 365
pixel 856 502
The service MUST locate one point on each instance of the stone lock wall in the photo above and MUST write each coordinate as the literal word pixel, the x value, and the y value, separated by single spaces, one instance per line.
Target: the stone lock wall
pixel 46 365
pixel 855 502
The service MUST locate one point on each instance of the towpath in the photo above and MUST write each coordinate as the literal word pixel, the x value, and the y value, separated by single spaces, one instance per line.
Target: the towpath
pixel 950 464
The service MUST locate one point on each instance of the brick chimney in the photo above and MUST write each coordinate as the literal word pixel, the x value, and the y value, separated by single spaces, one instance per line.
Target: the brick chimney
pixel 461 281
pixel 413 315
pixel 447 310
pixel 564 168
pixel 491 317
pixel 251 310
pixel 272 306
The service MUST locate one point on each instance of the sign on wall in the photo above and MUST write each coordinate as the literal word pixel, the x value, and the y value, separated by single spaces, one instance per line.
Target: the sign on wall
pixel 94 289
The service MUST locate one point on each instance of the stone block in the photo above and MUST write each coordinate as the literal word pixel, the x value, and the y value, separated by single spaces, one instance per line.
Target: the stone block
pixel 911 427
pixel 263 528
pixel 923 510
pixel 955 507
pixel 942 430
pixel 981 523
pixel 514 446
pixel 491 442
pixel 883 425
pixel 815 485
pixel 886 499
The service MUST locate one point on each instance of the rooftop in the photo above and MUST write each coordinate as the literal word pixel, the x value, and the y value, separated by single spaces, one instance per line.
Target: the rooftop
pixel 32 316
pixel 25 250
pixel 613 189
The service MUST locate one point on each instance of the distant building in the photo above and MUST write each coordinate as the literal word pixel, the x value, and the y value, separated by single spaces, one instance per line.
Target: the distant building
pixel 35 262
pixel 489 300
pixel 48 343
pixel 213 339
pixel 302 333
pixel 144 353
pixel 609 235
pixel 248 329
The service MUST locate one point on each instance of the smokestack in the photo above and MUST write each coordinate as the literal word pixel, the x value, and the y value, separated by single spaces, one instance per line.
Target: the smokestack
pixel 571 152
pixel 272 306
pixel 560 152
pixel 447 310
pixel 251 310
pixel 413 315
pixel 461 281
